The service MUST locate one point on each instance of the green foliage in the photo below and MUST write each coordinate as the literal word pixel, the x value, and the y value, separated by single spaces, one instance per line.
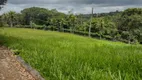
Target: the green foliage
pixel 132 11
pixel 63 56
pixel 16 52
pixel 9 18
pixel 1 23
pixel 35 14
pixel 104 27
pixel 122 26
pixel 131 22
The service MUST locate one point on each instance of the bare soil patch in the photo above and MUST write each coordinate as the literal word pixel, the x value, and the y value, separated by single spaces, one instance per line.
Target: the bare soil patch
pixel 10 68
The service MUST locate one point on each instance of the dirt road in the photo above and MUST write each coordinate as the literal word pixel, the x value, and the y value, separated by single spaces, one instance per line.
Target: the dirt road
pixel 10 69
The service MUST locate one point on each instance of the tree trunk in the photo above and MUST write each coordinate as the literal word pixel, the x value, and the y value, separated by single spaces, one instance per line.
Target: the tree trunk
pixel 100 37
pixel 11 24
pixel 90 29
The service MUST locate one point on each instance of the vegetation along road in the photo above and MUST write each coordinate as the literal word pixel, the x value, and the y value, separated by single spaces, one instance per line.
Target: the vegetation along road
pixel 63 56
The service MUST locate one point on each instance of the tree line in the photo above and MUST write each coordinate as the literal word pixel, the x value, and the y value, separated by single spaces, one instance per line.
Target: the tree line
pixel 125 26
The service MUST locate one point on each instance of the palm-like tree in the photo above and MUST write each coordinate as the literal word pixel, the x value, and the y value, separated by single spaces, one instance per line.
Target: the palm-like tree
pixel 72 21
pixel 11 16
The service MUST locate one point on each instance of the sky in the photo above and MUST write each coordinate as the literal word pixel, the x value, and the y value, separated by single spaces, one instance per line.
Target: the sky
pixel 78 6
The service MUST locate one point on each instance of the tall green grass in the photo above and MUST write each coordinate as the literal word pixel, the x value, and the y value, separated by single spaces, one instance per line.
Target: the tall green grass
pixel 63 56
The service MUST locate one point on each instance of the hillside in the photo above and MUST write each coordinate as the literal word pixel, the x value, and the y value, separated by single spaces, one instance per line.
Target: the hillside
pixel 63 56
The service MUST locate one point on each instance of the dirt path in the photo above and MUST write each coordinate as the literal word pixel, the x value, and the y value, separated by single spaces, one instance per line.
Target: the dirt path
pixel 10 69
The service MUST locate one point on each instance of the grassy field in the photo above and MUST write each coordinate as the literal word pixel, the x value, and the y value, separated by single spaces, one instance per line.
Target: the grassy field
pixel 63 56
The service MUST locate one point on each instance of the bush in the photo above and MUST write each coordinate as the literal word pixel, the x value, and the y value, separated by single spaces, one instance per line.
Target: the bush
pixel 5 25
pixel 51 27
pixel 18 26
pixel 26 26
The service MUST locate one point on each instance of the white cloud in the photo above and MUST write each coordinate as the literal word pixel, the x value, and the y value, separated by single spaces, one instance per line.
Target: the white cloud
pixel 62 7
pixel 10 7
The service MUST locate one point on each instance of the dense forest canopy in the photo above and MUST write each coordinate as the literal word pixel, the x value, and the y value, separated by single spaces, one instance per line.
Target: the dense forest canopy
pixel 125 26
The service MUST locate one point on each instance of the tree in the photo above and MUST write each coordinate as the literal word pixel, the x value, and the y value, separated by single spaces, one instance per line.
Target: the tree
pixel 71 22
pixel 98 26
pixel 1 21
pixel 11 17
pixel 4 18
pixel 36 15
pixel 19 19
pixel 130 24
pixel 2 2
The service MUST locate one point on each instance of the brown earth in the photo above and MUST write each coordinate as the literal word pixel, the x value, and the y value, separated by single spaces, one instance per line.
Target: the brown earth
pixel 10 68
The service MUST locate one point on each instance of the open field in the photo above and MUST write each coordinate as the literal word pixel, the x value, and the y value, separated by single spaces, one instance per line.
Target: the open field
pixel 63 56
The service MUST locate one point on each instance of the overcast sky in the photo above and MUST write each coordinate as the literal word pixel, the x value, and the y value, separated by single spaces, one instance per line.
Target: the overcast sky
pixel 78 6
